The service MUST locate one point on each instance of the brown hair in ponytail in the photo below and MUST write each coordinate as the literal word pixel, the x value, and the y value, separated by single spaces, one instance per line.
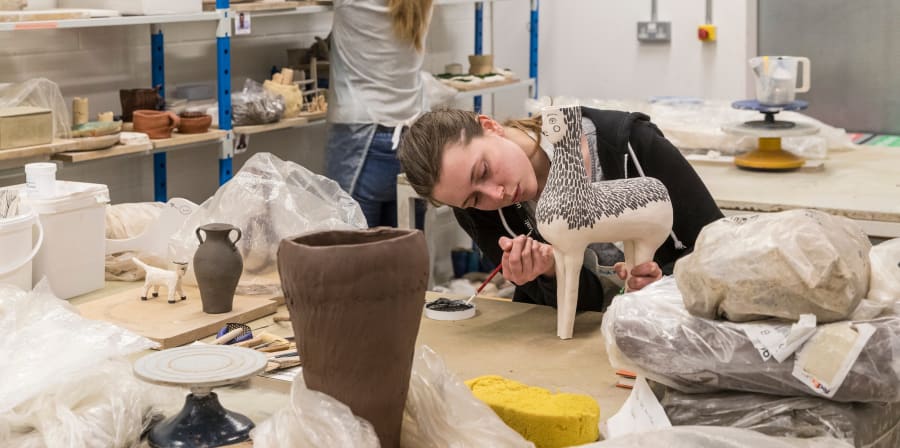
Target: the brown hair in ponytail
pixel 410 20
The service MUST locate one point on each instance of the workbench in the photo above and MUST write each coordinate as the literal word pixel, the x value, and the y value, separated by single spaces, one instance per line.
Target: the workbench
pixel 514 340
pixel 863 184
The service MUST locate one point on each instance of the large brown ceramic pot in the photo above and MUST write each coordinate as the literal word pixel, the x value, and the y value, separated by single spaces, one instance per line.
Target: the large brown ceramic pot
pixel 355 299
pixel 218 266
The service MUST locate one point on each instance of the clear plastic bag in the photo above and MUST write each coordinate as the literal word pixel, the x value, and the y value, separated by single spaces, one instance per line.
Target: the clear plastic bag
pixel 884 286
pixel 128 221
pixel 65 380
pixel 441 412
pixel 314 419
pixel 785 264
pixel 104 405
pixel 650 332
pixel 268 199
pixel 39 92
pixel 870 425
pixel 255 105
pixel 713 437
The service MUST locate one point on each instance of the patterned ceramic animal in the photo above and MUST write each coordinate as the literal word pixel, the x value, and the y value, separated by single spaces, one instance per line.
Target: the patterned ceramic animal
pixel 572 212
pixel 157 277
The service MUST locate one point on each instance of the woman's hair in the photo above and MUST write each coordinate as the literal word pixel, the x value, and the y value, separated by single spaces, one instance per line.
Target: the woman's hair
pixel 422 146
pixel 410 20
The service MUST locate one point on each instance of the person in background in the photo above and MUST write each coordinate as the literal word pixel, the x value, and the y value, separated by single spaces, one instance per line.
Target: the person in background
pixel 375 89
pixel 492 175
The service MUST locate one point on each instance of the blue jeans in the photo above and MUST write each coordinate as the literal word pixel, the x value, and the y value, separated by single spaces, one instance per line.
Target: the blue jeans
pixel 361 159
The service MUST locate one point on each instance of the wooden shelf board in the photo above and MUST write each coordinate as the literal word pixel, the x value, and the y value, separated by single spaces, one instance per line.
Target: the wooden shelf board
pixel 286 123
pixel 115 151
pixel 29 152
pixel 260 6
pixel 213 135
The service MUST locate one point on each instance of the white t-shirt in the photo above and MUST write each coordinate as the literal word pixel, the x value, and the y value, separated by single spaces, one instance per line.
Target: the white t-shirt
pixel 375 77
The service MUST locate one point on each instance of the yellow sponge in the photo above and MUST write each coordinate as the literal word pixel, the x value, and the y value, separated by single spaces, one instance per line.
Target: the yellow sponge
pixel 548 420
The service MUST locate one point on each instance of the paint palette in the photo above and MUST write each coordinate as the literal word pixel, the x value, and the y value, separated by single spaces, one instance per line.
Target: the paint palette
pixel 447 309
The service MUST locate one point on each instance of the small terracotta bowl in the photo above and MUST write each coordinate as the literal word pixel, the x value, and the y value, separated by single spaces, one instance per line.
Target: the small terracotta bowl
pixel 155 123
pixel 194 123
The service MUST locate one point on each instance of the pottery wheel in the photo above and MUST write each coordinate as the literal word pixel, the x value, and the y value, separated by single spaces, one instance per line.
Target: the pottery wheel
pixel 200 366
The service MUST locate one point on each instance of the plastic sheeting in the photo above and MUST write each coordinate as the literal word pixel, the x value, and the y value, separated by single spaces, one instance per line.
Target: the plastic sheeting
pixel 441 412
pixel 39 92
pixel 713 437
pixel 785 264
pixel 650 332
pixel 65 380
pixel 865 425
pixel 269 199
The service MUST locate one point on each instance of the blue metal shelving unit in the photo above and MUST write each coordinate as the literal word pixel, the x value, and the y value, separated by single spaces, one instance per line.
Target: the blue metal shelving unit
pixel 223 76
pixel 479 38
pixel 533 46
pixel 158 78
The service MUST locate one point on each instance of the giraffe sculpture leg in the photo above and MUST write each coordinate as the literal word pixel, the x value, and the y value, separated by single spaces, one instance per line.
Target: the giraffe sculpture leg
pixel 568 271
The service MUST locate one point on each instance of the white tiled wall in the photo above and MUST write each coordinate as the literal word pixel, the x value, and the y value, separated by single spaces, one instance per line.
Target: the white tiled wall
pixel 96 63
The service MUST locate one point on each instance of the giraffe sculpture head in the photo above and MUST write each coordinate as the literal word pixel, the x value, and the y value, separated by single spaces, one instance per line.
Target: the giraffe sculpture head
pixel 554 126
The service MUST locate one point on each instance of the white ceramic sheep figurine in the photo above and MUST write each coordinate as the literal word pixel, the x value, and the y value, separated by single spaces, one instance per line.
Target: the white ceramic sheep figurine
pixel 157 277
pixel 572 212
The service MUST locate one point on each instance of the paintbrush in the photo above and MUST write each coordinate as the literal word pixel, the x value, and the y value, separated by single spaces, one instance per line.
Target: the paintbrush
pixel 493 273
pixel 485 282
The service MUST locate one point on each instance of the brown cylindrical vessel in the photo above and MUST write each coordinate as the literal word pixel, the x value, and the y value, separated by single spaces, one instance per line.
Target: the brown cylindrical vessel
pixel 218 266
pixel 355 298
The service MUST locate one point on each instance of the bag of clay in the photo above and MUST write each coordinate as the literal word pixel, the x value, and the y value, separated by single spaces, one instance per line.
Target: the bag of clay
pixel 43 93
pixel 651 333
pixel 884 282
pixel 783 265
pixel 268 199
pixel 441 411
pixel 128 221
pixel 313 419
pixel 869 425
pixel 713 437
pixel 255 105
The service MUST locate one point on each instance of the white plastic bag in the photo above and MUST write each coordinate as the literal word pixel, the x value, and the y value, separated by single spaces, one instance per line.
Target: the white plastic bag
pixel 785 264
pixel 651 333
pixel 128 221
pixel 314 419
pixel 884 282
pixel 104 405
pixel 713 437
pixel 65 381
pixel 441 411
pixel 268 199
pixel 45 341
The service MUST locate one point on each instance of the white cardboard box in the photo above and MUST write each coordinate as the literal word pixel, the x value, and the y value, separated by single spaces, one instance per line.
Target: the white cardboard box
pixel 138 7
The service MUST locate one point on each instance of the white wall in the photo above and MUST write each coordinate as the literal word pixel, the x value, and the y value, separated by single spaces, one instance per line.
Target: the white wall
pixel 587 47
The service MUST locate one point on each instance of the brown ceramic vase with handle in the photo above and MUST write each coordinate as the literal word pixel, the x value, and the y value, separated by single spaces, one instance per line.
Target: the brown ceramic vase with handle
pixel 355 298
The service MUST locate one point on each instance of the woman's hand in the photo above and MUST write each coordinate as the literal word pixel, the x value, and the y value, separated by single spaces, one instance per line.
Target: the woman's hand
pixel 524 259
pixel 641 275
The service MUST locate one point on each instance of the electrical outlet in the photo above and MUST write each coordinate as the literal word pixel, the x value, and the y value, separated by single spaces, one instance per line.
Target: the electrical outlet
pixel 654 31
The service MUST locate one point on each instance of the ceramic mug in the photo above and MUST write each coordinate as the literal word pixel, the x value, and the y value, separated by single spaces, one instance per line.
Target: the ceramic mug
pixel 156 123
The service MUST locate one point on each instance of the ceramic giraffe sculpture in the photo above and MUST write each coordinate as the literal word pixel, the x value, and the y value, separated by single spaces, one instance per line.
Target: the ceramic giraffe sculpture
pixel 573 212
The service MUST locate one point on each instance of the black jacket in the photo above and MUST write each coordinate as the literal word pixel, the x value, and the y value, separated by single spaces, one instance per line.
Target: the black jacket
pixel 692 204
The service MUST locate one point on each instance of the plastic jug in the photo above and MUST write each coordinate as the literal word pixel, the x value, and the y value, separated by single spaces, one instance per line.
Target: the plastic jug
pixel 776 78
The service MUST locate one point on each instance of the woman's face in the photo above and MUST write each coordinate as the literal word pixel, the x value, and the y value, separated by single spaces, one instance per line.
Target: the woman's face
pixel 489 173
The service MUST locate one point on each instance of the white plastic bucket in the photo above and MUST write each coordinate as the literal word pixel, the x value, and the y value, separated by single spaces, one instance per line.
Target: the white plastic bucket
pixel 18 247
pixel 73 255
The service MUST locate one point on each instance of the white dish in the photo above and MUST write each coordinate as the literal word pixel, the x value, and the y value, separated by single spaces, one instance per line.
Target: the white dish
pixel 450 315
pixel 200 366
